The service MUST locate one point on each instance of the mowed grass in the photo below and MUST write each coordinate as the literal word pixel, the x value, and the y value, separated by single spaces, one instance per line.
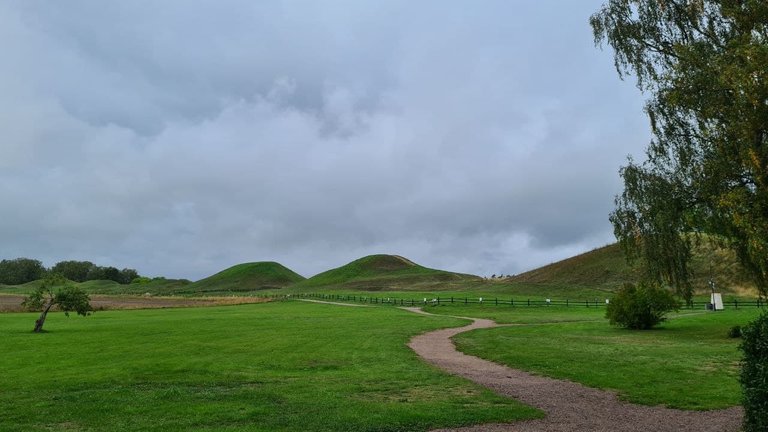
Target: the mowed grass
pixel 288 366
pixel 688 363
pixel 506 314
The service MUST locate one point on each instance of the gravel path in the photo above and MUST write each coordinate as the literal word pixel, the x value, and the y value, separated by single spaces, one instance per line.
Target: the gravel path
pixel 333 303
pixel 569 406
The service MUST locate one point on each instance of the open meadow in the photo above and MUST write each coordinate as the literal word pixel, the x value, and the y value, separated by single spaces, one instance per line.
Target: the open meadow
pixel 290 366
pixel 195 360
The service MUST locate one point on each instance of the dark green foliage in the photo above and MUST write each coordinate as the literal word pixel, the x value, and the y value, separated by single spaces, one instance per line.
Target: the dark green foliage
pixel 734 332
pixel 640 307
pixel 70 298
pixel 104 273
pixel 76 271
pixel 706 171
pixel 124 276
pixel 23 270
pixel 754 374
pixel 20 270
pixel 127 275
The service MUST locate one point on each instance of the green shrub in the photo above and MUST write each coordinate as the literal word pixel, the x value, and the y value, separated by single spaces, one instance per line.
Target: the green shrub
pixel 734 332
pixel 754 374
pixel 640 307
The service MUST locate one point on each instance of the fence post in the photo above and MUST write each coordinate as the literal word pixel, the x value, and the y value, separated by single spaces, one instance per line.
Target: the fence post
pixel 586 302
pixel 497 301
pixel 451 299
pixel 529 302
pixel 511 302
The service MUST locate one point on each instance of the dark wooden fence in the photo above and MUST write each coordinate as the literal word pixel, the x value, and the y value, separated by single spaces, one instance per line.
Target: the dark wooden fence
pixel 495 301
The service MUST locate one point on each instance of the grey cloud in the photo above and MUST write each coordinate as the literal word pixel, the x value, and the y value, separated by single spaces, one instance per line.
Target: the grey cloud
pixel 180 138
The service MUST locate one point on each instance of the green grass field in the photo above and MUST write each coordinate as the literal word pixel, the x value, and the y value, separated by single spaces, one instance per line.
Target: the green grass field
pixel 688 363
pixel 523 314
pixel 288 366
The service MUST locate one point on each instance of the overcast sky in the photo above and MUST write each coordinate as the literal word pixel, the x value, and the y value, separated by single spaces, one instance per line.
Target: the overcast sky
pixel 182 137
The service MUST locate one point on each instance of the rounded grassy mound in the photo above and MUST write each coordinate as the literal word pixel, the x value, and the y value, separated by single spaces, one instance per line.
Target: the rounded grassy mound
pixel 247 277
pixel 377 272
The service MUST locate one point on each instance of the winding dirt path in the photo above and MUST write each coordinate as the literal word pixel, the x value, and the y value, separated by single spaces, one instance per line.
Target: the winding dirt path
pixel 333 303
pixel 569 406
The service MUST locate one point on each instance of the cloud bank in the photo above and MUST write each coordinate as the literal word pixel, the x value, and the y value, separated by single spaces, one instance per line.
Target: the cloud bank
pixel 180 137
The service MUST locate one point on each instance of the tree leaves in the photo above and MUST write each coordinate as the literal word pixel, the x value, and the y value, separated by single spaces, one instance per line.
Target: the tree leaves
pixel 67 297
pixel 705 65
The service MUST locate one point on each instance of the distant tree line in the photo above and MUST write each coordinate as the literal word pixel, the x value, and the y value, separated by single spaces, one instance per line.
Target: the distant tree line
pixel 22 270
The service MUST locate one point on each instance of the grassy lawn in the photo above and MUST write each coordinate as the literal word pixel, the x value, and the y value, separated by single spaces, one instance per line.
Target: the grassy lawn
pixel 522 314
pixel 288 366
pixel 689 363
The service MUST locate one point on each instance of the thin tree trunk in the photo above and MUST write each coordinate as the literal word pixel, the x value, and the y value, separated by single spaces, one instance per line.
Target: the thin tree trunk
pixel 40 321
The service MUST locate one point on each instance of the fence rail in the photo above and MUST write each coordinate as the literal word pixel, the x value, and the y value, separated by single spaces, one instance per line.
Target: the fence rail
pixel 597 303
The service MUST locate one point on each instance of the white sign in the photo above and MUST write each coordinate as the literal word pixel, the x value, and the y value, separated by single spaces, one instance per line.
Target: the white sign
pixel 717 300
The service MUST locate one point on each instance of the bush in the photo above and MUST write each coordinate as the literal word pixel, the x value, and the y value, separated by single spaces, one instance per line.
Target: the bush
pixel 754 374
pixel 640 307
pixel 734 332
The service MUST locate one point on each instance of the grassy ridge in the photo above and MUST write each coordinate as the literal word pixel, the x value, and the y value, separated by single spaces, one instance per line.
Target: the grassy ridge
pixel 602 267
pixel 289 366
pixel 378 272
pixel 606 268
